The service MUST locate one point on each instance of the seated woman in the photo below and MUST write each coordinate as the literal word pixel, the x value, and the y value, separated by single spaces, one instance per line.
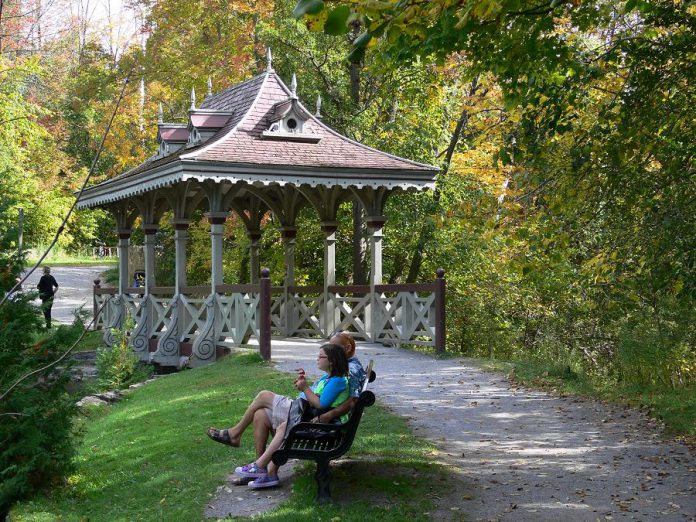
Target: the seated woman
pixel 327 393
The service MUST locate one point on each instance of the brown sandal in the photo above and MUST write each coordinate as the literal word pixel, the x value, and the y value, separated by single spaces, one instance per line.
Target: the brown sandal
pixel 221 436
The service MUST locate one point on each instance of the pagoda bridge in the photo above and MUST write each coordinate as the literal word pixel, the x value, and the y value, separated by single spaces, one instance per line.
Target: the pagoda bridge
pixel 253 149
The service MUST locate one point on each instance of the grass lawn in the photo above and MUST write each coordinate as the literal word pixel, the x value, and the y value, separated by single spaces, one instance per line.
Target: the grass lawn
pixel 148 458
pixel 676 407
pixel 90 341
pixel 57 257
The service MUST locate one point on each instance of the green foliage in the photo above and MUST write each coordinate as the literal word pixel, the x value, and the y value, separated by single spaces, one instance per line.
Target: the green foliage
pixel 566 221
pixel 36 416
pixel 117 365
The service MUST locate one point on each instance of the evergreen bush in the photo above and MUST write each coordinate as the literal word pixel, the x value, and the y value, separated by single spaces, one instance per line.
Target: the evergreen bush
pixel 36 417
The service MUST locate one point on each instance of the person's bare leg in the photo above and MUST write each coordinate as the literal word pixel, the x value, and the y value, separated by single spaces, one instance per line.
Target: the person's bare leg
pixel 265 459
pixel 263 400
pixel 262 427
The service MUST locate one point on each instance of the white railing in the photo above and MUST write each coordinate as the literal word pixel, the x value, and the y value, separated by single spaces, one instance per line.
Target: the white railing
pixel 409 314
pixel 238 307
pixel 352 309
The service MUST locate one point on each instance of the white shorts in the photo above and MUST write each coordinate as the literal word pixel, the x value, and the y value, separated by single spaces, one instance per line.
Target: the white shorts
pixel 281 409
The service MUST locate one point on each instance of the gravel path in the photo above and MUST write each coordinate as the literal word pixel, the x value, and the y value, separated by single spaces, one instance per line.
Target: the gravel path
pixel 526 455
pixel 75 285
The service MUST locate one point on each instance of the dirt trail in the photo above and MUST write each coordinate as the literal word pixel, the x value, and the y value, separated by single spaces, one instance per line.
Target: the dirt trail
pixel 526 455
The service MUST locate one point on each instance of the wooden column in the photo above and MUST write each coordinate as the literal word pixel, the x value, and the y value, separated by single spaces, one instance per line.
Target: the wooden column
pixel 180 239
pixel 265 315
pixel 204 347
pixel 149 251
pixel 375 225
pixel 123 248
pixel 329 228
pixel 255 238
pixel 217 228
pixel 168 344
pixel 289 234
pixel 140 338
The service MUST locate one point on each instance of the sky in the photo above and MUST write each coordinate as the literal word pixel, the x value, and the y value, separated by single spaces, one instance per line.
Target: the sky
pixel 111 21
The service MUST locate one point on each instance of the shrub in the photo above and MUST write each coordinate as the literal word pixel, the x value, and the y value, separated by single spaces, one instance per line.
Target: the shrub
pixel 117 365
pixel 36 417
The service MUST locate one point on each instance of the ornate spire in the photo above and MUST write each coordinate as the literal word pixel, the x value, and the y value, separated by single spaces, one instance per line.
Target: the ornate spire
pixel 160 114
pixel 210 86
pixel 318 113
pixel 269 60
pixel 293 86
pixel 193 98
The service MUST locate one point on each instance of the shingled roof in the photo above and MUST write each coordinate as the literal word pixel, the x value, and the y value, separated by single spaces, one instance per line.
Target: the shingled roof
pixel 244 150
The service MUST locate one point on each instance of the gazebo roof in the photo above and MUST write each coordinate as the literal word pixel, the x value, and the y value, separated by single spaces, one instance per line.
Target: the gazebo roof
pixel 245 134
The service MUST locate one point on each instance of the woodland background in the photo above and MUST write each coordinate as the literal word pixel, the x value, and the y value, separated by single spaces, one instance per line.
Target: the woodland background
pixel 564 213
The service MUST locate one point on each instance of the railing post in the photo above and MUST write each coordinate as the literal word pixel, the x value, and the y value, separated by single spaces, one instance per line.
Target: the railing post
pixel 95 307
pixel 440 335
pixel 265 315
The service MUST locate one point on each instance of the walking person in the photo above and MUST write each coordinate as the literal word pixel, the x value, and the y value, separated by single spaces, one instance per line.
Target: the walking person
pixel 47 289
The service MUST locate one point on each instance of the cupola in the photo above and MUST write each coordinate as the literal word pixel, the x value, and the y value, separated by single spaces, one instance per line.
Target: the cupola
pixel 286 120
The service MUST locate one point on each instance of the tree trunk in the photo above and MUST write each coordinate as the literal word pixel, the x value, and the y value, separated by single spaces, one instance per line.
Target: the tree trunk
pixel 359 245
pixel 424 237
pixel 427 229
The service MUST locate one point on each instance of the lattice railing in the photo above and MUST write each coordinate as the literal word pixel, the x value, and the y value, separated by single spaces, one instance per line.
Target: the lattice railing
pixel 161 310
pixel 306 310
pixel 352 309
pixel 405 315
pixel 238 306
pixel 192 312
pixel 392 314
pixel 279 311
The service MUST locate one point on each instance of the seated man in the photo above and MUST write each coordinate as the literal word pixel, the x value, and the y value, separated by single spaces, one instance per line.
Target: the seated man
pixel 262 420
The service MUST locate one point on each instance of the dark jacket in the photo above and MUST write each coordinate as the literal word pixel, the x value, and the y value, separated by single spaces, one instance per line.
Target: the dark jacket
pixel 46 286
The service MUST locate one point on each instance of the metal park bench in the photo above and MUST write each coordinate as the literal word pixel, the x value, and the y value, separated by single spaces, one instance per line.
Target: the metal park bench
pixel 323 443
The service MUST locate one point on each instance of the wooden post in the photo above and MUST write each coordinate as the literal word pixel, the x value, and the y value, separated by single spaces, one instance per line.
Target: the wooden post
pixel 180 238
pixel 149 252
pixel 123 246
pixel 329 228
pixel 265 315
pixel 440 335
pixel 255 238
pixel 217 229
pixel 95 308
pixel 375 226
pixel 289 234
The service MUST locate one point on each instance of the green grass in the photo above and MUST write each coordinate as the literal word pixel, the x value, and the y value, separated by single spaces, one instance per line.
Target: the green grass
pixel 58 257
pixel 91 340
pixel 110 277
pixel 148 458
pixel 675 407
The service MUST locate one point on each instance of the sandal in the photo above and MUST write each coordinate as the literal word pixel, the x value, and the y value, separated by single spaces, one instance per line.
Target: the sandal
pixel 221 436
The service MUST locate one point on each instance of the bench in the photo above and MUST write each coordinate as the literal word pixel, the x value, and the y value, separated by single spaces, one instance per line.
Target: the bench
pixel 323 443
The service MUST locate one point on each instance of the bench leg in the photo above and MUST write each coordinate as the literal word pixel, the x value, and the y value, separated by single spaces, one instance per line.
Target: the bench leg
pixel 323 478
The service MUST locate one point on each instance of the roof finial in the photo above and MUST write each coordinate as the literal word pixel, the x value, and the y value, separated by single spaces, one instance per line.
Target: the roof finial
pixel 210 86
pixel 318 113
pixel 193 98
pixel 160 114
pixel 269 60
pixel 293 86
